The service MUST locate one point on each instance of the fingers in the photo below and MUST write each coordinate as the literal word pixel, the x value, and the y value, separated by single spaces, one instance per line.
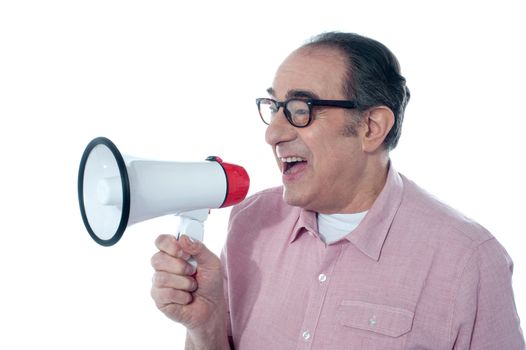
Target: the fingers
pixel 172 281
pixel 181 292
pixel 186 247
pixel 167 280
pixel 170 245
pixel 171 256
pixel 202 255
pixel 162 261
pixel 166 296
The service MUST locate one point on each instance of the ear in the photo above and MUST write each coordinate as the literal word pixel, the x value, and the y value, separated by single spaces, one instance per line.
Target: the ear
pixel 378 122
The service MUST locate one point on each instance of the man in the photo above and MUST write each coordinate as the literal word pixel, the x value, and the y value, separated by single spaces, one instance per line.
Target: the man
pixel 347 254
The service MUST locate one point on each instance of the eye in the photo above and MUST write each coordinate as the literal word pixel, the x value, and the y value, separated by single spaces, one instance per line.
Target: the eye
pixel 301 118
pixel 299 111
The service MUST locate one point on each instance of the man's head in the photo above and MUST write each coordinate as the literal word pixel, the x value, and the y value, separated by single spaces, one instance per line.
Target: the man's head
pixel 337 162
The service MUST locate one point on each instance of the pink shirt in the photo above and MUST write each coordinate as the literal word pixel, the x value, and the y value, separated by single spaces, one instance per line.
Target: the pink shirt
pixel 415 274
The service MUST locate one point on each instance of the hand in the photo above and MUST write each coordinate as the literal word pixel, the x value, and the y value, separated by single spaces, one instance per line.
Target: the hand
pixel 184 295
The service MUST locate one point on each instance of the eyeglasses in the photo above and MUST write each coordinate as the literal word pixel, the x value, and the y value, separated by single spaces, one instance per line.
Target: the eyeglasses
pixel 297 111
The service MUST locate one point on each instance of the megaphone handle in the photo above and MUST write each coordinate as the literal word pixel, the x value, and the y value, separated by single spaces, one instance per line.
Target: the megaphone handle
pixel 192 225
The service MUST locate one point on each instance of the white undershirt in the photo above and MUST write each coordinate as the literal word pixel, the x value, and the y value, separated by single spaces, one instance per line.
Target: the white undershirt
pixel 333 227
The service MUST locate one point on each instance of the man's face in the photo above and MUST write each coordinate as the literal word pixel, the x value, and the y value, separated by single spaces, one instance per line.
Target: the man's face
pixel 322 167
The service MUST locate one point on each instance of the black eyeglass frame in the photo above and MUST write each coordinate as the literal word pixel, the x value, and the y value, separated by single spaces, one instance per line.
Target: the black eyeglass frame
pixel 347 104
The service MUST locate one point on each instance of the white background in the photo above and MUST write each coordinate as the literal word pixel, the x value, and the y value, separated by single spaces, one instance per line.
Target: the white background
pixel 176 81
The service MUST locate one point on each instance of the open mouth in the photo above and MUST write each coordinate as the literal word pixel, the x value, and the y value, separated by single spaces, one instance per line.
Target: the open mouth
pixel 290 164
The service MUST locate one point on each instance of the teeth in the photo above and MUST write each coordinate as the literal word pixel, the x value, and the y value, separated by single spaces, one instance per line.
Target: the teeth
pixel 291 159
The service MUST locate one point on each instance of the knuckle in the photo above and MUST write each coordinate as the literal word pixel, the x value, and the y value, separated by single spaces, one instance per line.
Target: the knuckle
pixel 157 260
pixel 153 260
pixel 154 293
pixel 163 241
pixel 159 240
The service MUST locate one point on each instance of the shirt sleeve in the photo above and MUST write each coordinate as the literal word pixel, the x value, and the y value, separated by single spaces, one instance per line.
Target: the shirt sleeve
pixel 484 315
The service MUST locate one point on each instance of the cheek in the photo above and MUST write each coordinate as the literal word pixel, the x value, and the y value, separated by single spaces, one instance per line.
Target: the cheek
pixel 329 147
pixel 331 171
pixel 326 169
pixel 333 159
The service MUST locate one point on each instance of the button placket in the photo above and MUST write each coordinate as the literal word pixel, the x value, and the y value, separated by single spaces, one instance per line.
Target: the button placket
pixel 317 297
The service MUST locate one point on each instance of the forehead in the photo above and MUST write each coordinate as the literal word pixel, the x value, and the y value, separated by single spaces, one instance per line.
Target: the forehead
pixel 318 70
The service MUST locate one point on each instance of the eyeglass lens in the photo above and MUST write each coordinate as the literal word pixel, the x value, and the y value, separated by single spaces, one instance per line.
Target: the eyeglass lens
pixel 297 111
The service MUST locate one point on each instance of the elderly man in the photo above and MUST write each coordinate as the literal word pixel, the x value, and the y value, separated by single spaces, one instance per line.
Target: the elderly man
pixel 348 253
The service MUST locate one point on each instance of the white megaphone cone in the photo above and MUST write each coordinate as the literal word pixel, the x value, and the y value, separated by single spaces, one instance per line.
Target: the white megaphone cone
pixel 115 191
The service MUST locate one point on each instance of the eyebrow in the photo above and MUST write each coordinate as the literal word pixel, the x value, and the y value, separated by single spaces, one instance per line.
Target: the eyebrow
pixel 295 94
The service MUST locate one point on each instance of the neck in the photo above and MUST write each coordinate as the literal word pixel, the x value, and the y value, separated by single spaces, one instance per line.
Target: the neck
pixel 370 186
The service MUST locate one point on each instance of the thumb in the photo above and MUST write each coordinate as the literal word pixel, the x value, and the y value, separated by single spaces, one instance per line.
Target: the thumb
pixel 202 255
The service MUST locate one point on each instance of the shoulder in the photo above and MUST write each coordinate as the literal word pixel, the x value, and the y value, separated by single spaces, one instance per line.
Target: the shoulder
pixel 270 196
pixel 262 220
pixel 441 221
pixel 261 206
pixel 262 214
pixel 453 239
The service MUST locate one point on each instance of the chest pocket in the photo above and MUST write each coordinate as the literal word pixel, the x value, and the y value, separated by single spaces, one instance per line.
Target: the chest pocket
pixel 379 326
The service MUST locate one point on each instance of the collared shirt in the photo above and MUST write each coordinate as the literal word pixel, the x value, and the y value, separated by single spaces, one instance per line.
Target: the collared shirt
pixel 415 274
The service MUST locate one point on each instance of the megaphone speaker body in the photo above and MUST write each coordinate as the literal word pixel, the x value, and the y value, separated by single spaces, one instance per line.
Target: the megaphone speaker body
pixel 116 191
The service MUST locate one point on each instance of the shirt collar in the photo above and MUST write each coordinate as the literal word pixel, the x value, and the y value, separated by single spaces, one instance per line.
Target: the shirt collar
pixel 370 235
pixel 306 220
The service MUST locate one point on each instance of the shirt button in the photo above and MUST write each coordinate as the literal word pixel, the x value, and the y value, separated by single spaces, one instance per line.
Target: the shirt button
pixel 322 277
pixel 306 335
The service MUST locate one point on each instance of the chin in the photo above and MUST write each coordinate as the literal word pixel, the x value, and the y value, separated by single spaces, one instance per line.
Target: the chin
pixel 293 198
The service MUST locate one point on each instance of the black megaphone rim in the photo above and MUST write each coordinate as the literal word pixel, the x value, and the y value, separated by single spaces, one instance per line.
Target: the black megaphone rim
pixel 125 214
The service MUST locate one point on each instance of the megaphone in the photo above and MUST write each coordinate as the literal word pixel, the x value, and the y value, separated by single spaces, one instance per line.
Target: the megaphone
pixel 117 191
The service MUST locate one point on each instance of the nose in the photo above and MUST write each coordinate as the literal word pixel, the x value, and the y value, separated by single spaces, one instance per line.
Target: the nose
pixel 280 130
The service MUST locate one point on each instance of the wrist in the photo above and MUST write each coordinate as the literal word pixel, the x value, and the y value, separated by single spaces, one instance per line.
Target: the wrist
pixel 211 335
